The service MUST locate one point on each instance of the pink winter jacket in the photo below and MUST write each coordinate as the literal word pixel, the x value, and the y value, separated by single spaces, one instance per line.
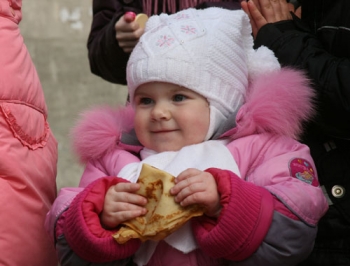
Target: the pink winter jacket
pixel 28 151
pixel 269 216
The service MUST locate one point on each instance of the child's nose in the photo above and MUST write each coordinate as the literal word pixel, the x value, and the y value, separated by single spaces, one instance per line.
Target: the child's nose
pixel 161 111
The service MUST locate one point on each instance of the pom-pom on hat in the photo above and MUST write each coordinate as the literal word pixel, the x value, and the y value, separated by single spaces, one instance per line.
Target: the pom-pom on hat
pixel 209 51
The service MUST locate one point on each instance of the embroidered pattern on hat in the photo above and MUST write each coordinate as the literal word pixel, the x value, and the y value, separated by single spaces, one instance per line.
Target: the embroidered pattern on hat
pixel 188 29
pixel 165 40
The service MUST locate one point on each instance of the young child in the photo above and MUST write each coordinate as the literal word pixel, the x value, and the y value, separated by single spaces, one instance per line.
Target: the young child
pixel 225 125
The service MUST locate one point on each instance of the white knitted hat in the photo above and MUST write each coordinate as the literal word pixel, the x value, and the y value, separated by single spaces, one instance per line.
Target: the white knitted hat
pixel 209 51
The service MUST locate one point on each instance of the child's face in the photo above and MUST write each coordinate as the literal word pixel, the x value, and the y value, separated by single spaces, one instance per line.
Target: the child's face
pixel 169 117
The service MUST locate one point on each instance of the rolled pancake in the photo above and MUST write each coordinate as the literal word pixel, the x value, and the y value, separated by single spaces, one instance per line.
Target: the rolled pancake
pixel 164 215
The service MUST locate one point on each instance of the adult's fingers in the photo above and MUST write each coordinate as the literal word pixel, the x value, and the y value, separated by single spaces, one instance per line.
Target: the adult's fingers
pixel 124 25
pixel 274 10
pixel 129 16
pixel 285 8
pixel 267 10
pixel 245 8
pixel 123 36
pixel 128 46
pixel 256 17
pixel 276 6
pixel 128 40
pixel 256 3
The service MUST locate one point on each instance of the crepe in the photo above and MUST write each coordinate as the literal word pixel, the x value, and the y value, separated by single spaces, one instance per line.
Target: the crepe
pixel 164 215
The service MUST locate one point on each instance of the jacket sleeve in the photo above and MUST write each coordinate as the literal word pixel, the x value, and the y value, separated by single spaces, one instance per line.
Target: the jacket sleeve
pixel 295 45
pixel 69 258
pixel 94 169
pixel 271 213
pixel 92 180
pixel 83 231
pixel 254 227
pixel 244 220
pixel 106 58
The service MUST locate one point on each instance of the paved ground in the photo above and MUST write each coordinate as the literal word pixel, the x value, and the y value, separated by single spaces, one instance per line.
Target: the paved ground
pixel 55 32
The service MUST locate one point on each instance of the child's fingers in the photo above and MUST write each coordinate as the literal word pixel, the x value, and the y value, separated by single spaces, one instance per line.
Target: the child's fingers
pixel 187 194
pixel 200 188
pixel 122 203
pixel 128 207
pixel 187 174
pixel 183 180
pixel 118 207
pixel 113 219
pixel 126 187
pixel 124 216
pixel 131 198
pixel 125 192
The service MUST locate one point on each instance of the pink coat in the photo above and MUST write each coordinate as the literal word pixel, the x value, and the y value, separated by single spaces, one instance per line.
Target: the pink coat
pixel 28 151
pixel 278 197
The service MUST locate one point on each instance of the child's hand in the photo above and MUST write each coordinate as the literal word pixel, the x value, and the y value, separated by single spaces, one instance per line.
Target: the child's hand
pixel 122 204
pixel 193 186
pixel 128 32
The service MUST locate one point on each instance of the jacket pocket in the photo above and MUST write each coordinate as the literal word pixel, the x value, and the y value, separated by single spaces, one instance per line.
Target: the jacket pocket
pixel 28 124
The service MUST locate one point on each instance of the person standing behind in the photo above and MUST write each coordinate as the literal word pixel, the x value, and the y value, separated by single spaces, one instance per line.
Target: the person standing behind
pixel 28 151
pixel 319 42
pixel 113 35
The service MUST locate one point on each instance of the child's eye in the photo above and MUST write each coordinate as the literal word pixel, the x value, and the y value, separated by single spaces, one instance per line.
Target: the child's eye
pixel 145 101
pixel 179 98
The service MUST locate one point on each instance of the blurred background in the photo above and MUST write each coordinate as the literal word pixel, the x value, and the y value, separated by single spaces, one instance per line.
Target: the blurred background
pixel 56 32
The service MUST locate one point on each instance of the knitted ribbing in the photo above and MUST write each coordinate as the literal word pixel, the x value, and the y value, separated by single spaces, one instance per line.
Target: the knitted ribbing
pixel 83 229
pixel 244 220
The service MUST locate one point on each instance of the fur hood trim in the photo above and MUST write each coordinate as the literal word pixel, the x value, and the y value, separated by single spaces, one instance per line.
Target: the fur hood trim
pixel 98 131
pixel 278 102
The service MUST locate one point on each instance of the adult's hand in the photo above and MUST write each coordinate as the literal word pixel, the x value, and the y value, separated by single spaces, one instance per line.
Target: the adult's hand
pixel 262 12
pixel 128 32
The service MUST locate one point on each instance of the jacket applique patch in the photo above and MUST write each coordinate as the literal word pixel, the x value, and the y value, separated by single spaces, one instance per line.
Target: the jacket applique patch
pixel 302 170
